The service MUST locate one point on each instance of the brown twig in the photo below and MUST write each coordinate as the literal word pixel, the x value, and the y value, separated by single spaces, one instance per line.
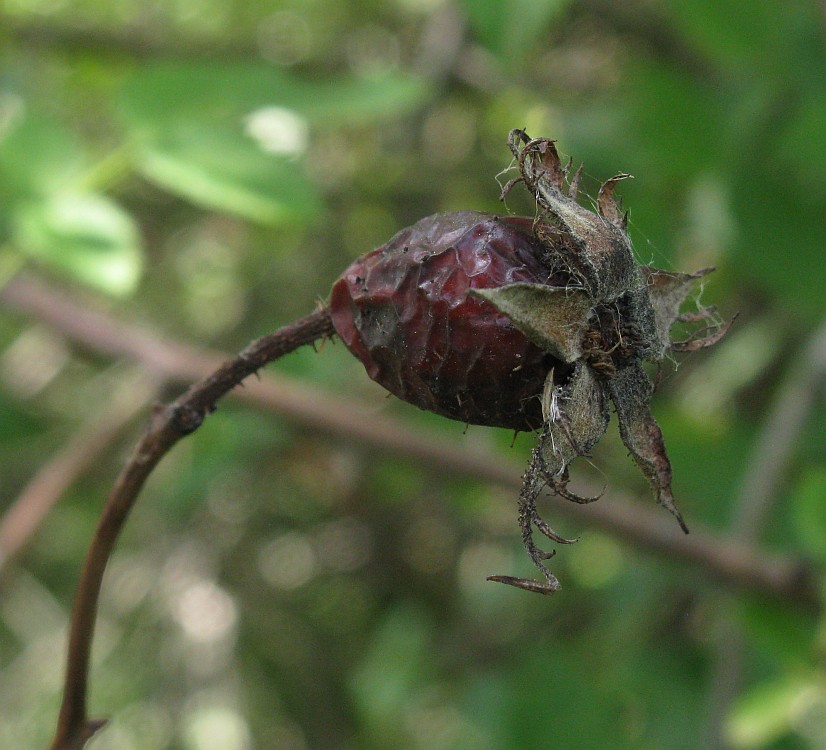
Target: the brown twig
pixel 168 425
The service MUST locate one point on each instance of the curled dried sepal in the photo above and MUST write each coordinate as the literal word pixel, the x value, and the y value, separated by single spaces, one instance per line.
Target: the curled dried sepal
pixel 599 253
pixel 697 342
pixel 612 315
pixel 528 584
pixel 608 207
pixel 576 417
pixel 667 291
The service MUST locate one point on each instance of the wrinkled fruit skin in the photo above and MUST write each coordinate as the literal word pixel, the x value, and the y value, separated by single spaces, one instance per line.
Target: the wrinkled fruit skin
pixel 404 310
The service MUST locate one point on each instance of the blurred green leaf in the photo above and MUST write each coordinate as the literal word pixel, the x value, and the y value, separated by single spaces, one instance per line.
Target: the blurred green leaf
pixel 780 633
pixel 223 169
pixel 809 512
pixel 778 244
pixel 392 669
pixel 87 237
pixel 804 141
pixel 37 157
pixel 766 712
pixel 510 29
pixel 762 39
pixel 536 717
pixel 16 425
pixel 189 122
pixel 674 119
pixel 212 94
pixel 357 100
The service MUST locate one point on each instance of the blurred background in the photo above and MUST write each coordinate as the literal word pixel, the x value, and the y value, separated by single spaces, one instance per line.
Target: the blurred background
pixel 178 178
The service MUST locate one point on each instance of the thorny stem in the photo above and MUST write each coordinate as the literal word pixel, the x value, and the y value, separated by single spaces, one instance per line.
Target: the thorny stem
pixel 167 426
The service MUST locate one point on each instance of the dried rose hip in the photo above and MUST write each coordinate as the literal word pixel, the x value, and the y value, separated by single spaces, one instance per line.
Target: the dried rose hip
pixel 405 311
pixel 526 323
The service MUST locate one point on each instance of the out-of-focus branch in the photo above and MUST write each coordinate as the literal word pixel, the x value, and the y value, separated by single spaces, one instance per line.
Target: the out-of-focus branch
pixel 780 435
pixel 645 23
pixel 24 516
pixel 141 41
pixel 728 561
pixel 759 491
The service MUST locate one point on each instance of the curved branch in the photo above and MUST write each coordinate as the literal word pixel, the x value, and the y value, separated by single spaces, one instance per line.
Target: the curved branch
pixel 730 562
pixel 168 425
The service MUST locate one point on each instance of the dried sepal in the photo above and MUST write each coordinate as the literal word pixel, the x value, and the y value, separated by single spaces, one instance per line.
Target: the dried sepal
pixel 576 417
pixel 554 318
pixel 613 315
pixel 533 483
pixel 667 291
pixel 528 584
pixel 631 391
pixel 573 185
pixel 701 315
pixel 559 487
pixel 608 207
pixel 600 252
pixel 697 342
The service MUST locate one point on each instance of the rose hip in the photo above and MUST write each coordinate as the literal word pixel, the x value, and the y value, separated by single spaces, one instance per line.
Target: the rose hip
pixel 526 323
pixel 405 311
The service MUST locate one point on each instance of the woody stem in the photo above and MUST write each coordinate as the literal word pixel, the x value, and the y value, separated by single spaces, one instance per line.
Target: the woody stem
pixel 168 424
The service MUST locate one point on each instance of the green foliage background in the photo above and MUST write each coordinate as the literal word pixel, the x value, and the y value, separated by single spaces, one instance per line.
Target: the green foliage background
pixel 208 169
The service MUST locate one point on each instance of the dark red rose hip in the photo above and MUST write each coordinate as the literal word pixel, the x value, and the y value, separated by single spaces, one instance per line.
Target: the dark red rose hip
pixel 405 312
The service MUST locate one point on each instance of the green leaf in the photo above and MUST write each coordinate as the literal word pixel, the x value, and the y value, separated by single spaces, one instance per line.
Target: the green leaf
pixel 217 93
pixel 767 712
pixel 510 29
pixel 225 170
pixel 37 157
pixel 202 131
pixel 88 237
pixel 809 512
